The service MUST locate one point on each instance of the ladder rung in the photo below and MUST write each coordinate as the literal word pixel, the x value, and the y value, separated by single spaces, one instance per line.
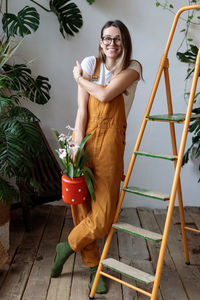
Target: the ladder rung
pixel 128 270
pixel 162 156
pixel 153 236
pixel 147 193
pixel 172 118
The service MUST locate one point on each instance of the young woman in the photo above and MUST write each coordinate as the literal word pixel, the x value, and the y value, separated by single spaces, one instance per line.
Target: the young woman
pixel 106 89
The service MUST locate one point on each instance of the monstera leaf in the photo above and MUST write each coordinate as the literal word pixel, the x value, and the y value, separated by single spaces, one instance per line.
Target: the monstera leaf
pixel 68 14
pixel 23 23
pixel 37 90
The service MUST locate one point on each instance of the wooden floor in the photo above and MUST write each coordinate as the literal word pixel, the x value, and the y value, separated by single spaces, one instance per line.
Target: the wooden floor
pixel 32 254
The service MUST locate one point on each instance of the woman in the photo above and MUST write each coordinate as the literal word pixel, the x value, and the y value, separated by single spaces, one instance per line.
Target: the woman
pixel 106 89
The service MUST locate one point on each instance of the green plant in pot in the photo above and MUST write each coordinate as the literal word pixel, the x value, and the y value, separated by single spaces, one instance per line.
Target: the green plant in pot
pixel 19 135
pixel 77 176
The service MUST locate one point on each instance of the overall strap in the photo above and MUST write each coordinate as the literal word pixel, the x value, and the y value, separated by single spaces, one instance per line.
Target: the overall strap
pixel 96 70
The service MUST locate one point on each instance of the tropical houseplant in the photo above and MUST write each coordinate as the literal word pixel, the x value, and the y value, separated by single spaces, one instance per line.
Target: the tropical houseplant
pixel 74 170
pixel 19 135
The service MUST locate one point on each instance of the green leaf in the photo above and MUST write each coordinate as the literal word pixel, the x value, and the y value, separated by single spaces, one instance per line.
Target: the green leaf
pixel 6 102
pixel 26 21
pixel 80 149
pixel 84 159
pixel 90 1
pixel 37 90
pixel 56 132
pixel 71 171
pixel 7 49
pixel 69 16
pixel 89 186
pixel 194 49
pixel 91 175
pixel 157 3
pixel 19 140
pixel 7 191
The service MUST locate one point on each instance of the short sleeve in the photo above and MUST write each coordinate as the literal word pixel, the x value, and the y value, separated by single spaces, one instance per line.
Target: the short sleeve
pixel 88 65
pixel 135 65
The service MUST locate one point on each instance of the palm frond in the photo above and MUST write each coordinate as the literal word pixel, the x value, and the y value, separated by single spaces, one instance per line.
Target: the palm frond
pixel 7 191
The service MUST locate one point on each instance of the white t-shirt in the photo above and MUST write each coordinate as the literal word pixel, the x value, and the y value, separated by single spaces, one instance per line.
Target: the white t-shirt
pixel 88 65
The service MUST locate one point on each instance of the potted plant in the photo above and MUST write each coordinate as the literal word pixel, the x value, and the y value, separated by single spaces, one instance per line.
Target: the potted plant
pixel 19 135
pixel 77 177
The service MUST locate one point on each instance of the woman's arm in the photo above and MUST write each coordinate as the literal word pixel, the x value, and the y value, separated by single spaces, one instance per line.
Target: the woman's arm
pixel 81 116
pixel 104 94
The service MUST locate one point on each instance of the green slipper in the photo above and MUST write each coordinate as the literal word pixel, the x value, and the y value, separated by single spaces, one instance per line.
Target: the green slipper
pixel 101 287
pixel 63 251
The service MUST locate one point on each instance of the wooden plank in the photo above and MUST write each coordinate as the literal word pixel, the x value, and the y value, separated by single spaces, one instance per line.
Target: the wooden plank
pixel 170 285
pixel 81 277
pixel 127 270
pixel 13 286
pixel 147 193
pixel 60 288
pixel 133 251
pixel 189 275
pixel 138 231
pixel 194 212
pixel 39 278
pixel 114 288
pixel 80 280
pixel 16 235
pixel 193 238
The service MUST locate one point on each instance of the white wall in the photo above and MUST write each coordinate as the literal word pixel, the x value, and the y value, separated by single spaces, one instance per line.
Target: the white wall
pixel 55 57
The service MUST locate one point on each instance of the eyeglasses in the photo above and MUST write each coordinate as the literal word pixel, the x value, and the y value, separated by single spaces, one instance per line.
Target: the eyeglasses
pixel 108 40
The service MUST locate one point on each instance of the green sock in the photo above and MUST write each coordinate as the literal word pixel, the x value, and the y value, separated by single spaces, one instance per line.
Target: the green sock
pixel 63 251
pixel 101 287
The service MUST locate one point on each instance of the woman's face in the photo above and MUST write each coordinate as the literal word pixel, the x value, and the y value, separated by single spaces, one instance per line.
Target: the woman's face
pixel 111 42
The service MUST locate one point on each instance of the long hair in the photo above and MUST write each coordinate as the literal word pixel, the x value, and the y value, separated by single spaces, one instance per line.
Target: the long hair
pixel 125 58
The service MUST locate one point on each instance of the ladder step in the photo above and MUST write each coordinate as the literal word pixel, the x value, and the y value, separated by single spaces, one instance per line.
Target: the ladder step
pixel 172 118
pixel 128 270
pixel 149 235
pixel 147 193
pixel 162 156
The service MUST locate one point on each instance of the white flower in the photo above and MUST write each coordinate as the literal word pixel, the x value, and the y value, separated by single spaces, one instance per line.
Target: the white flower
pixel 70 140
pixel 62 137
pixel 71 148
pixel 62 153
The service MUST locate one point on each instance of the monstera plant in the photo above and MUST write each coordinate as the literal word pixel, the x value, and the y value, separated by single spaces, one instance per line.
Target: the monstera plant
pixel 19 136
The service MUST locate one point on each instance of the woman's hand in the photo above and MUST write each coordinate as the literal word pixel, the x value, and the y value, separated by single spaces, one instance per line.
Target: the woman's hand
pixel 77 71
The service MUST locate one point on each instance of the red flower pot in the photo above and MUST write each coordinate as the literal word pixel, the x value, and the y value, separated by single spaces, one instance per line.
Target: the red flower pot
pixel 74 191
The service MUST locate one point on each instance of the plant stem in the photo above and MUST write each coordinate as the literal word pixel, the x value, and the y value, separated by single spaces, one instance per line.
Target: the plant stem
pixel 46 9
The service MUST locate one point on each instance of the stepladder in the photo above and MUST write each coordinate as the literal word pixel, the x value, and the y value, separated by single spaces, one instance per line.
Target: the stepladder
pixel 177 158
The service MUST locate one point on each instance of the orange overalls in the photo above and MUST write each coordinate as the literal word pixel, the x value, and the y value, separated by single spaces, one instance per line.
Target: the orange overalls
pixel 92 220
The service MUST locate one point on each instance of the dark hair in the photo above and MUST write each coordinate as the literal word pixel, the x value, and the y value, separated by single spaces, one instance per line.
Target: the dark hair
pixel 125 58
